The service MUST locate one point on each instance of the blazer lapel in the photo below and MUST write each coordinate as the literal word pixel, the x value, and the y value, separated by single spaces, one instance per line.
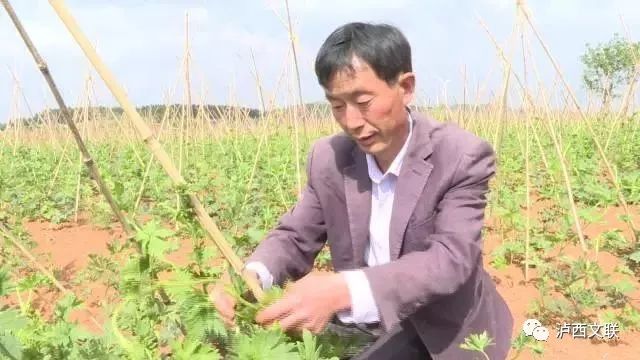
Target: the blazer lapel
pixel 413 176
pixel 358 198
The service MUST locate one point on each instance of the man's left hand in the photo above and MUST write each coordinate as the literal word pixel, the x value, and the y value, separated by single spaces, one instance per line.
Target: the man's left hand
pixel 308 303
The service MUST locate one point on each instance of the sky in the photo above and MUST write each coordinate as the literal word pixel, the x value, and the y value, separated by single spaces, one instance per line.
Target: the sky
pixel 143 44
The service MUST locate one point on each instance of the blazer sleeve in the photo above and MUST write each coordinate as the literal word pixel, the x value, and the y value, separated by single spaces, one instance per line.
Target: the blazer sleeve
pixel 452 251
pixel 289 250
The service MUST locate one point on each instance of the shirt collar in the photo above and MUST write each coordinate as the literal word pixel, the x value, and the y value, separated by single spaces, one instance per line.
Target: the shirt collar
pixel 374 171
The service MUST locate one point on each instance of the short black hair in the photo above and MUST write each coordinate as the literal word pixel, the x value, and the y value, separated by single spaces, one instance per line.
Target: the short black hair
pixel 383 47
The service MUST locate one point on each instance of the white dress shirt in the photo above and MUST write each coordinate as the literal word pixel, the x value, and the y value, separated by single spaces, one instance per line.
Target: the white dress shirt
pixel 363 306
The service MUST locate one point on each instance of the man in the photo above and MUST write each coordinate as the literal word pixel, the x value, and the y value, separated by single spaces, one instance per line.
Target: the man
pixel 400 200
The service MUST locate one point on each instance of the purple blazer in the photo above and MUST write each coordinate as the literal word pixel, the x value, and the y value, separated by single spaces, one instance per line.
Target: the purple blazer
pixel 435 278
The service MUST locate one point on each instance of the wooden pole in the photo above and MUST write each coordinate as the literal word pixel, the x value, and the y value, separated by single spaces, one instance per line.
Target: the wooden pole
pixel 153 144
pixel 5 231
pixel 612 175
pixel 66 114
pixel 301 113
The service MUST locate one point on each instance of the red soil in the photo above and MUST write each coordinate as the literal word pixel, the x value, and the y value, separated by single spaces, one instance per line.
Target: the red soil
pixel 68 248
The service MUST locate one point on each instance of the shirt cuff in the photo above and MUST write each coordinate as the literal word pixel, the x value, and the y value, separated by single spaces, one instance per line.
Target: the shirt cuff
pixel 266 279
pixel 363 306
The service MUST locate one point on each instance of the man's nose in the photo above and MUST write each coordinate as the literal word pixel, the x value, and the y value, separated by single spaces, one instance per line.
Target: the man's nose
pixel 353 118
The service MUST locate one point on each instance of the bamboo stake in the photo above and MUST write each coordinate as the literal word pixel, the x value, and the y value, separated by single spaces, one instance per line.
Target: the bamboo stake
pixel 120 124
pixel 85 113
pixel 528 97
pixel 57 169
pixel 557 141
pixel 20 90
pixel 630 89
pixel 479 91
pixel 505 89
pixel 186 108
pixel 14 122
pixel 503 108
pixel 153 144
pixel 536 111
pixel 150 162
pixel 497 138
pixel 528 192
pixel 520 4
pixel 612 176
pixel 7 234
pixel 557 144
pixel 263 130
pixel 629 98
pixel 300 102
pixel 88 161
pixel 264 133
pixel 86 157
pixel 187 69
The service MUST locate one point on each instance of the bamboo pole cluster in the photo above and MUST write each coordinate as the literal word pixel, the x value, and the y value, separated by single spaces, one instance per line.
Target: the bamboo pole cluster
pixel 154 145
pixel 86 157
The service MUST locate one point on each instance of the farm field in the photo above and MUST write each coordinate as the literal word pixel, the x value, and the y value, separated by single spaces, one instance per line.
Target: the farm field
pixel 146 297
pixel 82 277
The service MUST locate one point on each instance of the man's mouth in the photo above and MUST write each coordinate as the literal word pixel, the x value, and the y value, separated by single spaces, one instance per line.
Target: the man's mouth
pixel 366 139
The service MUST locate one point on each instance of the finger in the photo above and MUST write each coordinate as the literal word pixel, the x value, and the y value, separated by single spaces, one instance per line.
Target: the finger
pixel 224 307
pixel 213 295
pixel 271 313
pixel 227 314
pixel 217 293
pixel 319 326
pixel 229 322
pixel 295 321
pixel 277 311
pixel 226 303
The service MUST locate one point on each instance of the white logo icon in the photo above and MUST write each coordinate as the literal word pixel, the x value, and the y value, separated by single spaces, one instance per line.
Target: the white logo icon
pixel 533 327
pixel 530 325
pixel 541 333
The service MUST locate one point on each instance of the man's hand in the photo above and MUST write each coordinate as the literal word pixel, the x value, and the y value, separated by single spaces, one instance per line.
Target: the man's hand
pixel 309 303
pixel 224 302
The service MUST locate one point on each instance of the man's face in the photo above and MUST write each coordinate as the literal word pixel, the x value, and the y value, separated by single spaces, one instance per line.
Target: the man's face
pixel 371 111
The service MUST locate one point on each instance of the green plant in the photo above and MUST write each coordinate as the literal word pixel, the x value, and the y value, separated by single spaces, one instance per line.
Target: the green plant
pixel 523 342
pixel 219 162
pixel 478 343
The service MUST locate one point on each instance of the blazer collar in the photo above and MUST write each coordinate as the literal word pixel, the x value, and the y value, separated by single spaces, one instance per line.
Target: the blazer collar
pixel 413 176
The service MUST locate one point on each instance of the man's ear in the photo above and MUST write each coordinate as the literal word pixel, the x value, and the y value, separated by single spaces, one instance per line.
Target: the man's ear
pixel 407 85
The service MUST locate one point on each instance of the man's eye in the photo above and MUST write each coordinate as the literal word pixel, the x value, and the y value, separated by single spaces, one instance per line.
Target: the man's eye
pixel 337 107
pixel 364 103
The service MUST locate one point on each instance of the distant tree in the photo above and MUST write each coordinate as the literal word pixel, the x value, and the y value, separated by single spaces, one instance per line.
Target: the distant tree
pixel 609 66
